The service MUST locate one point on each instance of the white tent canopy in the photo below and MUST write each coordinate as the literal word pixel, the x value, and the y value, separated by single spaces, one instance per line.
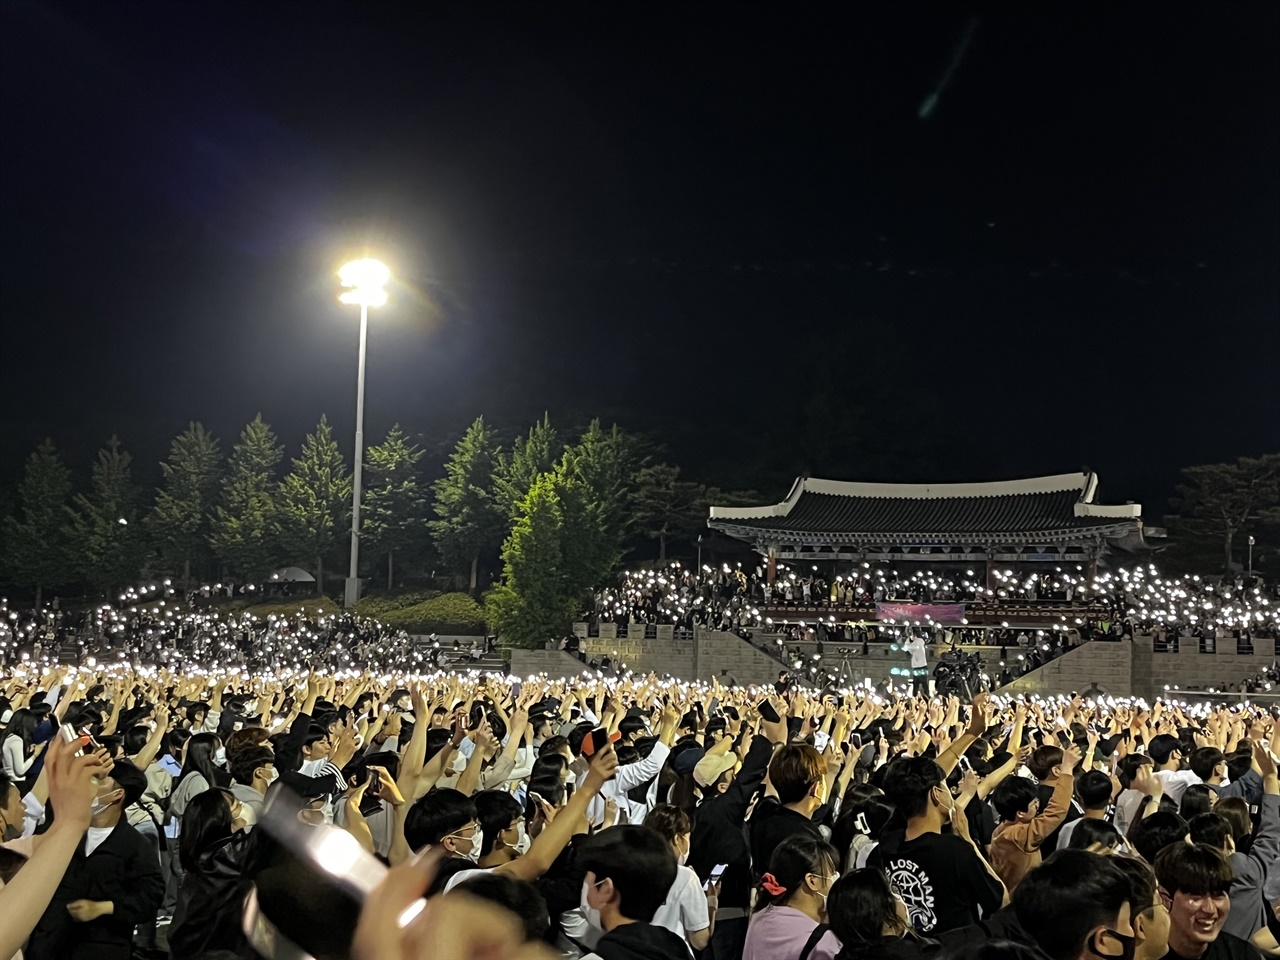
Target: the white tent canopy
pixel 292 575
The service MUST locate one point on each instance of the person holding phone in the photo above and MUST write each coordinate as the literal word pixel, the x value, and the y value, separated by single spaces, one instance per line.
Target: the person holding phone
pixel 688 911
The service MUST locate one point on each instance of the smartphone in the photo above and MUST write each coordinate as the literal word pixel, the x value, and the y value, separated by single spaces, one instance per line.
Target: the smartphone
pixel 716 873
pixel 820 740
pixel 515 689
pixel 768 712
pixel 598 738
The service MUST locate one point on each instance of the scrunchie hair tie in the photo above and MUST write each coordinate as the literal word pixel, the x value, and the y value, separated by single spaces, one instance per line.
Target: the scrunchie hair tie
pixel 772 886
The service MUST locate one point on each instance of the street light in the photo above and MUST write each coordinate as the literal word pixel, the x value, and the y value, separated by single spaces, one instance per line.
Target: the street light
pixel 366 281
pixel 1251 557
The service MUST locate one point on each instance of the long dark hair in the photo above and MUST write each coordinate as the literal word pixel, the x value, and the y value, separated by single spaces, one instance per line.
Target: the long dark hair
pixel 200 750
pixel 205 823
pixel 791 862
pixel 861 904
pixel 21 725
pixel 863 813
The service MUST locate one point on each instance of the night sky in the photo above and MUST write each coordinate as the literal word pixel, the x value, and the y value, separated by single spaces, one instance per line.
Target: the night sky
pixel 749 230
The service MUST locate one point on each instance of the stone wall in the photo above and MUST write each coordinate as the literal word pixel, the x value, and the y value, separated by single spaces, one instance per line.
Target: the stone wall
pixel 1108 665
pixel 554 663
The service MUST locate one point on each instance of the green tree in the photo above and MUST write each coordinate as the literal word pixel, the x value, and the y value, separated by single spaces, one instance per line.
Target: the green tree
pixel 535 602
pixel 1217 501
pixel 103 525
pixel 180 521
pixel 315 500
pixel 36 554
pixel 393 515
pixel 530 457
pixel 469 521
pixel 666 506
pixel 242 531
pixel 605 464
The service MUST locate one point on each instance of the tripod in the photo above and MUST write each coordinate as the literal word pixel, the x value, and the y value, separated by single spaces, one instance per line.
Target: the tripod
pixel 844 675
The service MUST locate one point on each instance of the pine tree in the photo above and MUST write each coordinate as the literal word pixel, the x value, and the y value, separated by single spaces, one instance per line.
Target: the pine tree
pixel 605 464
pixel 315 500
pixel 535 602
pixel 530 457
pixel 35 548
pixel 392 518
pixel 469 521
pixel 242 530
pixel 181 519
pixel 1217 501
pixel 666 506
pixel 103 526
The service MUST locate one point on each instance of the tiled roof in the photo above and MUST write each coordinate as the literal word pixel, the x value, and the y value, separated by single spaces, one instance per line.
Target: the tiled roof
pixel 1040 505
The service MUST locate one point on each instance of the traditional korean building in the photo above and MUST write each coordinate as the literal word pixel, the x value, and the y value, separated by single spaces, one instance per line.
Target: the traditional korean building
pixel 1011 522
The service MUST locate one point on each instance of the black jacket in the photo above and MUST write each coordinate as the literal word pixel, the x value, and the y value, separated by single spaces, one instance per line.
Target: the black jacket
pixel 640 941
pixel 123 869
pixel 211 900
pixel 719 825
pixel 771 825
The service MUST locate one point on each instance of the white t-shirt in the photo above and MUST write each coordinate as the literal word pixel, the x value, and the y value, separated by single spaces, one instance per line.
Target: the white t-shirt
pixel 1176 782
pixel 461 875
pixel 685 908
pixel 94 837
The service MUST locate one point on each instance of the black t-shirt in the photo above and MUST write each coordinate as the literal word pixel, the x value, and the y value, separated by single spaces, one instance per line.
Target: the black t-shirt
pixel 1226 947
pixel 941 878
pixel 772 824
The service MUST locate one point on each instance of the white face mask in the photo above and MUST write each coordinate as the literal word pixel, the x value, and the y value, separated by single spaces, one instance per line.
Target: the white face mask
pixel 99 807
pixel 275 775
pixel 151 725
pixel 477 838
pixel 523 843
pixel 591 913
pixel 220 758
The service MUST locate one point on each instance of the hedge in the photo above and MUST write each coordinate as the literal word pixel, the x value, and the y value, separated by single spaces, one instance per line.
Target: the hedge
pixel 383 605
pixel 449 613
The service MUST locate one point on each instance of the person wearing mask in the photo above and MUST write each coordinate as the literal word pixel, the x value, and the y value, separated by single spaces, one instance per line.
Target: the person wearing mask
pixel 688 911
pixel 944 879
pixel 718 838
pixel 871 921
pixel 790 922
pixel 1149 915
pixel 213 849
pixel 1165 751
pixel 200 771
pixel 628 871
pixel 1195 885
pixel 253 770
pixel 73 785
pixel 798 777
pixel 1015 844
pixel 112 883
pixel 1076 906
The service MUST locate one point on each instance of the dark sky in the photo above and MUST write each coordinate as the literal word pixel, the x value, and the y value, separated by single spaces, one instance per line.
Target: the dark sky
pixel 725 224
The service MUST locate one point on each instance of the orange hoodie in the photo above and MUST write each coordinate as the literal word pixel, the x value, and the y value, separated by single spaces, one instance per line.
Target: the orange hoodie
pixel 1015 846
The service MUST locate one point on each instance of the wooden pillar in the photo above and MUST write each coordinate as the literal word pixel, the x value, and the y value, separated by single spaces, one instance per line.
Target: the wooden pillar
pixel 773 563
pixel 989 569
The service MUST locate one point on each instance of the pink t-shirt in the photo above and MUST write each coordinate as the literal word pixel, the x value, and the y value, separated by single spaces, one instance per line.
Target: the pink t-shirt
pixel 780 933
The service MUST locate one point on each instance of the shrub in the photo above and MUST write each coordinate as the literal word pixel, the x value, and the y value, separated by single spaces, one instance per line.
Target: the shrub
pixel 449 613
pixel 382 605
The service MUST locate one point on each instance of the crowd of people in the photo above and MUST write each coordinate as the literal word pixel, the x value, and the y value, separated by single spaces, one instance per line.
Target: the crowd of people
pixel 202 811
pixel 1109 603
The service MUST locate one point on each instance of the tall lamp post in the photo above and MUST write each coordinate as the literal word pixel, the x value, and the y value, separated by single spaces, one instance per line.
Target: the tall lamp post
pixel 1250 557
pixel 366 281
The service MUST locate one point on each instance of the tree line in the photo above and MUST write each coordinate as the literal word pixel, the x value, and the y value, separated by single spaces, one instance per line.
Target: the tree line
pixel 243 514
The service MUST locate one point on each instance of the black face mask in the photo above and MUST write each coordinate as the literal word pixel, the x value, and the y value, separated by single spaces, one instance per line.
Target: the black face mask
pixel 1128 943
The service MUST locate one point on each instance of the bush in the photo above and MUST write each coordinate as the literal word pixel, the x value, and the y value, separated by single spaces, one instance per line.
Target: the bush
pixel 314 606
pixel 449 613
pixel 382 605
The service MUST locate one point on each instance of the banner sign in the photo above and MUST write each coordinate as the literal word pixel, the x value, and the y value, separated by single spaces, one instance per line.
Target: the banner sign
pixel 937 612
